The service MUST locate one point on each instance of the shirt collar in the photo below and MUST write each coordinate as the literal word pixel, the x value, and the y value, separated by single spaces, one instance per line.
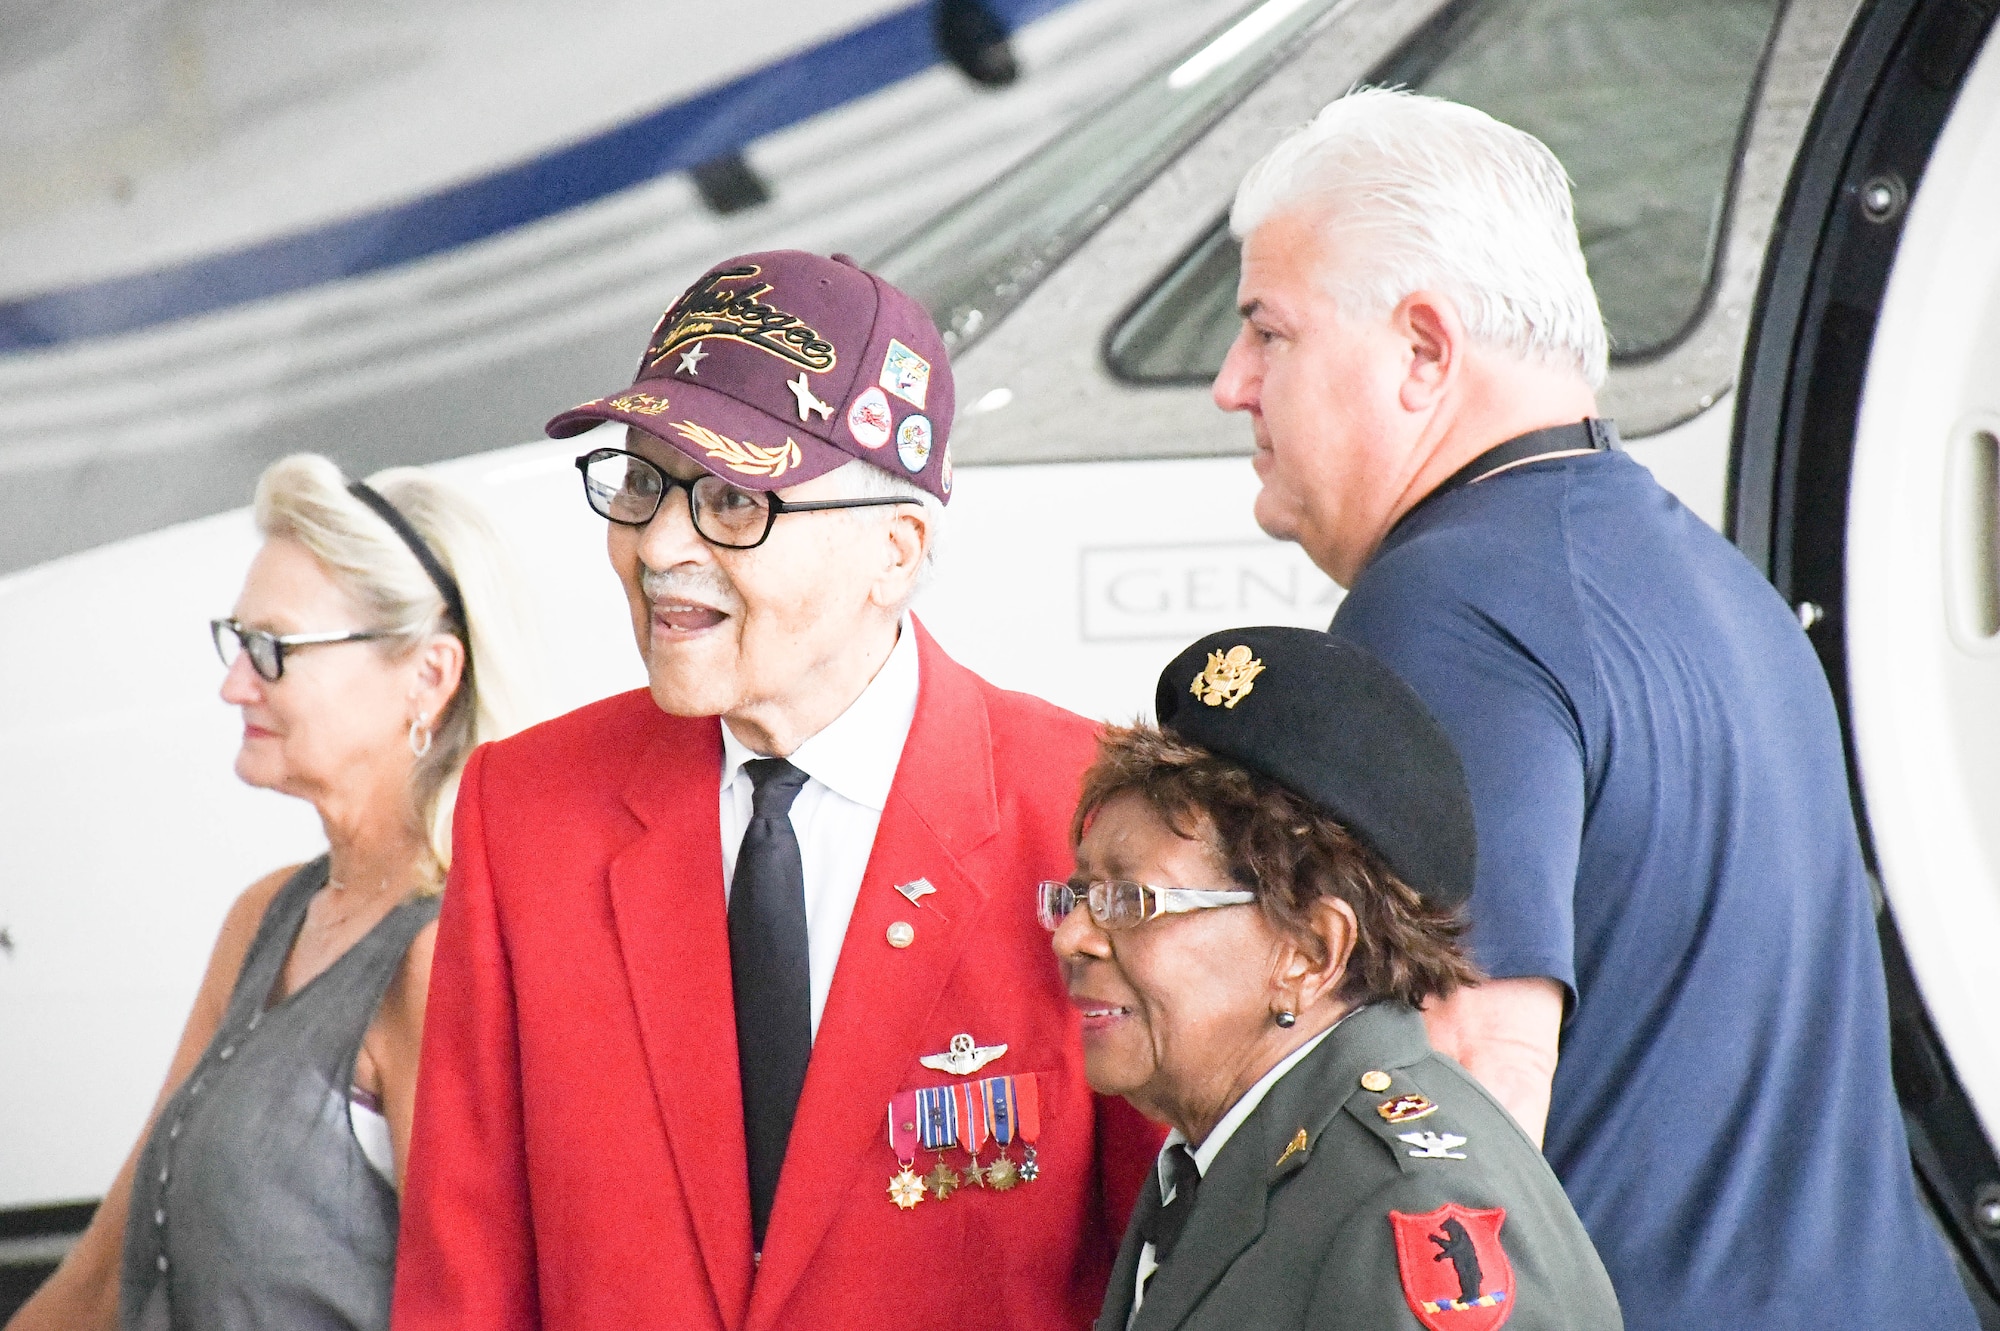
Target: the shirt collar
pixel 1218 1137
pixel 855 755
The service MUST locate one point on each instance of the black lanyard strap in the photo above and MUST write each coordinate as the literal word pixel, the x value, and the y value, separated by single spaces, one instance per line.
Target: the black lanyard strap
pixel 1590 435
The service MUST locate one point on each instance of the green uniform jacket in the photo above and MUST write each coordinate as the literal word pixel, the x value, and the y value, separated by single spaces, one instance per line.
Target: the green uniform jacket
pixel 1296 1222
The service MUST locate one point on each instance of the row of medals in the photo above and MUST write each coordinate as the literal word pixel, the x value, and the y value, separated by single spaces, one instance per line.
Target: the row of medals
pixel 908 1187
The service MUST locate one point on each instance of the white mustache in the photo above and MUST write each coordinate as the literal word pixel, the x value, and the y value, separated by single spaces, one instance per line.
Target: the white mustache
pixel 668 585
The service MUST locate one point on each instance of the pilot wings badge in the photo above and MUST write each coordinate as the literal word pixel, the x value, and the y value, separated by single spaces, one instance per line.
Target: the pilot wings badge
pixel 964 1057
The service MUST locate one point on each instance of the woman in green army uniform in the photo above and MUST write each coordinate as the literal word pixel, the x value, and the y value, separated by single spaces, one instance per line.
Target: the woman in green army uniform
pixel 1267 890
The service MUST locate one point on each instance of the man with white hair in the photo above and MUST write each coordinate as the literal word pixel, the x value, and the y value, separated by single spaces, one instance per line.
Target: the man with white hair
pixel 1686 1001
pixel 741 1016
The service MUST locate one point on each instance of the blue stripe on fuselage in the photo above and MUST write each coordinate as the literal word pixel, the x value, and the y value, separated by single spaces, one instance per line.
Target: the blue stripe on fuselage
pixel 674 138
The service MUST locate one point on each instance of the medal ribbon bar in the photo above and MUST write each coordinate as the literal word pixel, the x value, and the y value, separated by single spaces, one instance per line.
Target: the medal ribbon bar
pixel 937 1118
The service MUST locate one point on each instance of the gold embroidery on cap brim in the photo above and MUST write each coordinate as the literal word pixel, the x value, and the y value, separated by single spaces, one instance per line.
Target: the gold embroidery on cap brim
pixel 746 458
pixel 1227 679
pixel 639 404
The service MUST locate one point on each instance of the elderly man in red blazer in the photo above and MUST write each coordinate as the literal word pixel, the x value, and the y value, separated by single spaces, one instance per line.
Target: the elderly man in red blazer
pixel 740 1015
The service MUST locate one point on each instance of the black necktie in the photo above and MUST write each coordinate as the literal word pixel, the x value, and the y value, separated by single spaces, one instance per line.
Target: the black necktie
pixel 1164 1228
pixel 770 970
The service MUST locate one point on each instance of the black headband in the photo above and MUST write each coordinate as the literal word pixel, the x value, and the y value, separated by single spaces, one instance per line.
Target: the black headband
pixel 446 584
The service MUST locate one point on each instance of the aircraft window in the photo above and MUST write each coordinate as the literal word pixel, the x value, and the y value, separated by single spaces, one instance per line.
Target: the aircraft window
pixel 981 258
pixel 1643 100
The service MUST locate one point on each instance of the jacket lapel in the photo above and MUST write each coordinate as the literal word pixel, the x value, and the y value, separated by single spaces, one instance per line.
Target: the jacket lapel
pixel 940 808
pixel 1264 1152
pixel 673 934
pixel 1117 1308
pixel 1228 1218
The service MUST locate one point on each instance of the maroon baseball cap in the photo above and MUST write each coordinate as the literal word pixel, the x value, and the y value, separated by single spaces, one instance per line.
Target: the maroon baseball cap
pixel 775 368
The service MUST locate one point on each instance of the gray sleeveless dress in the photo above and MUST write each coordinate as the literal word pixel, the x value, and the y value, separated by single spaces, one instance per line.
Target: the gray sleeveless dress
pixel 253 1205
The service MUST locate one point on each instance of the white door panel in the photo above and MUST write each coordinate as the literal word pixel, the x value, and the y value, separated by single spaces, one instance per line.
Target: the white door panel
pixel 1923 589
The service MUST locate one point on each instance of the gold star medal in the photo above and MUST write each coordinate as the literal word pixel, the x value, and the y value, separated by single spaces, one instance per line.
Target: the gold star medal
pixel 973 1126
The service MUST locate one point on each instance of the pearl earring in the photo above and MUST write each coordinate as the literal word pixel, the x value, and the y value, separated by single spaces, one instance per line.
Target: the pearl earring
pixel 1288 1019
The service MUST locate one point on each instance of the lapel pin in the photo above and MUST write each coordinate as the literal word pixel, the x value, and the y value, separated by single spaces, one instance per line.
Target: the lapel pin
pixel 1296 1145
pixel 915 892
pixel 964 1058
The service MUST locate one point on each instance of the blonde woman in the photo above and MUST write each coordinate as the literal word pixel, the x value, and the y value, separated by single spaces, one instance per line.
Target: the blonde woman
pixel 372 646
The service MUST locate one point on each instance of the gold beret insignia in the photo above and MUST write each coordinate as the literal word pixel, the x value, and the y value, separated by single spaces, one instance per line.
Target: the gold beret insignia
pixel 1227 680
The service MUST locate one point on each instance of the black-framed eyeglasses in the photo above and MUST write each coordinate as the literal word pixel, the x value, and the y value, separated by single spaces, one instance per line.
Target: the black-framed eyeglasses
pixel 1119 904
pixel 267 650
pixel 629 489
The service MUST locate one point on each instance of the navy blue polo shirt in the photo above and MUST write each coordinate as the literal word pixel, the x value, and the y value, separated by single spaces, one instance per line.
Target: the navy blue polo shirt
pixel 1664 827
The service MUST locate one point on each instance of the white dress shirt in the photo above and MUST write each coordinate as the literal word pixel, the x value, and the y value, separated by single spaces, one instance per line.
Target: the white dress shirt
pixel 1211 1146
pixel 851 764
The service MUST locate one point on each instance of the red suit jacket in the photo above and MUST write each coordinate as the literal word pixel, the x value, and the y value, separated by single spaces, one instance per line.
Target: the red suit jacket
pixel 578 1158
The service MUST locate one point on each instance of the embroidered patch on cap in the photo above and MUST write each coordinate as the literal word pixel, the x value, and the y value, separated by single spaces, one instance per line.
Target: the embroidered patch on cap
pixel 913 442
pixel 868 419
pixel 639 404
pixel 906 374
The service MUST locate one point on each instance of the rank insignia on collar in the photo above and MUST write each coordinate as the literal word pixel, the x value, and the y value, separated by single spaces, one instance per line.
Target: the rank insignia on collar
pixel 965 1057
pixel 1297 1144
pixel 1406 1108
pixel 1228 677
pixel 1433 1145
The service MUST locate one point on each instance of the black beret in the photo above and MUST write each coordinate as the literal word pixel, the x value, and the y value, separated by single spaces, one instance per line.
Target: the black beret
pixel 1329 722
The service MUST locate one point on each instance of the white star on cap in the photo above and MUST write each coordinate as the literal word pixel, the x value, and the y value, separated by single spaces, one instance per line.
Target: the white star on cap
pixel 692 357
pixel 807 402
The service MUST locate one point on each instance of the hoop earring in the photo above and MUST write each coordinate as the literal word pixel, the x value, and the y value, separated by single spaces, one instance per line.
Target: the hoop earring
pixel 420 736
pixel 1288 1019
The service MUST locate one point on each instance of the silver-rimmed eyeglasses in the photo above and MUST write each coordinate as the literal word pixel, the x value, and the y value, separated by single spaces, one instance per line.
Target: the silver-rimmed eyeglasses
pixel 1118 904
pixel 629 489
pixel 267 650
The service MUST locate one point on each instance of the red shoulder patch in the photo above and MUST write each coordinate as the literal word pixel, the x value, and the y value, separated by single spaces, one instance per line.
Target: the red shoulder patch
pixel 1456 1276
